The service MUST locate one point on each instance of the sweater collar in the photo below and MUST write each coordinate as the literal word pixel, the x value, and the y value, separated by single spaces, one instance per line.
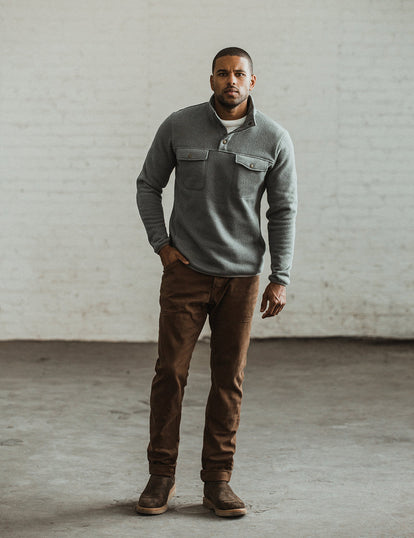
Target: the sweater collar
pixel 250 116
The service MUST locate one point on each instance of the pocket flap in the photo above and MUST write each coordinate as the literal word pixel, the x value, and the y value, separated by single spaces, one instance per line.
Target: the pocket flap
pixel 252 163
pixel 190 154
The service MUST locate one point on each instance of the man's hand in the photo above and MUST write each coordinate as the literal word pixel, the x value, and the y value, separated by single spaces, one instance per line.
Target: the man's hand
pixel 169 254
pixel 274 297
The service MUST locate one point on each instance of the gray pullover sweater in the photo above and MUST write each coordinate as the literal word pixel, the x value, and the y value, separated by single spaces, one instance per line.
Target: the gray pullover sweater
pixel 220 179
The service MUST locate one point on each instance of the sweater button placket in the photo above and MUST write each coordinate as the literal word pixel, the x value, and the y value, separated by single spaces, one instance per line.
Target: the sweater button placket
pixel 223 143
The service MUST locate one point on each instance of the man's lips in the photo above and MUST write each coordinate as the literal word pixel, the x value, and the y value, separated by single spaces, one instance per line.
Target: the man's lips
pixel 231 90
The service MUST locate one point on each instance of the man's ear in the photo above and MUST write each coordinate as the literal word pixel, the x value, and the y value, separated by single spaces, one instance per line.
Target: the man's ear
pixel 252 81
pixel 211 82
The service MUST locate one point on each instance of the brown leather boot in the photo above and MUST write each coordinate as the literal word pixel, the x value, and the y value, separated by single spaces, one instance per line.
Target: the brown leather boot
pixel 154 498
pixel 219 496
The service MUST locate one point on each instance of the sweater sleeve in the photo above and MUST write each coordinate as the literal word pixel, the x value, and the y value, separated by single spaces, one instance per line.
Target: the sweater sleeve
pixel 154 176
pixel 282 198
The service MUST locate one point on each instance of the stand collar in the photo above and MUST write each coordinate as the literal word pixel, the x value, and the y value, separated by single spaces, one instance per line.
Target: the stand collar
pixel 250 116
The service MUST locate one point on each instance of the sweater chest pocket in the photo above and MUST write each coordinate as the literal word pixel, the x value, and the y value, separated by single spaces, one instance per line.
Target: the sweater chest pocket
pixel 249 175
pixel 191 167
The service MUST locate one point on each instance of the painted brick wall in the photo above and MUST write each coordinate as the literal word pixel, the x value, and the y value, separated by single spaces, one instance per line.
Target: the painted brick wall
pixel 84 86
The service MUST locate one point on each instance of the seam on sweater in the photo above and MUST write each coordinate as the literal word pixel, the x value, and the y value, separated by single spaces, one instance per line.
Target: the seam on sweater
pixel 278 145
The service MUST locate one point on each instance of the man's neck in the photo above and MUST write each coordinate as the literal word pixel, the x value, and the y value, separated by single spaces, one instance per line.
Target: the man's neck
pixel 235 113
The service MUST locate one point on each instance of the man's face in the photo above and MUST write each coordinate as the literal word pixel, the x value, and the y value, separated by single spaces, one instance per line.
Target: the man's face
pixel 232 81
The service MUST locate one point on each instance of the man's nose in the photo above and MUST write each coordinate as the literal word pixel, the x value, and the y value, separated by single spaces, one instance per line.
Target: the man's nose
pixel 231 79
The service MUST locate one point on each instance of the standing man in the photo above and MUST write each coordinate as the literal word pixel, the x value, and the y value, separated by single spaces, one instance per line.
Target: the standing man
pixel 226 154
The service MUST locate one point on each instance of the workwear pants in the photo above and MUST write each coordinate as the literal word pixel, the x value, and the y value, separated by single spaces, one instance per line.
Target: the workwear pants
pixel 187 297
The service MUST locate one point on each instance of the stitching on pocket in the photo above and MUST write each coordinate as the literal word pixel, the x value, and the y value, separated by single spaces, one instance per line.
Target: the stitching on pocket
pixel 192 167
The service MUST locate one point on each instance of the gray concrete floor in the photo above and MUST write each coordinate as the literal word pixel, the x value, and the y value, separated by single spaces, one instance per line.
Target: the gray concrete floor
pixel 325 447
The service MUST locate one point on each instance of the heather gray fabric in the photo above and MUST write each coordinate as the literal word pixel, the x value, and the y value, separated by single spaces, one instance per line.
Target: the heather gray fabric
pixel 220 179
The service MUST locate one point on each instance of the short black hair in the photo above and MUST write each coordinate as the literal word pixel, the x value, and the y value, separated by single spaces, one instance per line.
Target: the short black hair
pixel 233 51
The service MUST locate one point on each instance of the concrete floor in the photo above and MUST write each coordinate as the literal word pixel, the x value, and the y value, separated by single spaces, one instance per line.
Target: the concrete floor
pixel 325 447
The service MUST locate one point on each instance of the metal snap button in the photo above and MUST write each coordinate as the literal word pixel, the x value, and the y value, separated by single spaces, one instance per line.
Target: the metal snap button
pixel 224 141
pixel 251 165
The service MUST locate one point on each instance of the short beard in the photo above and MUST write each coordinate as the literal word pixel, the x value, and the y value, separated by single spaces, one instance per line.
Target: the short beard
pixel 226 104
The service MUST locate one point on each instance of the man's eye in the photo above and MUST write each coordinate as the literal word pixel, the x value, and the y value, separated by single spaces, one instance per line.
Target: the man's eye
pixel 240 74
pixel 221 74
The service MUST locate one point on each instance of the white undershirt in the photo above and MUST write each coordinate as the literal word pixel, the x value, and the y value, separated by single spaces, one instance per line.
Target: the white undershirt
pixel 231 125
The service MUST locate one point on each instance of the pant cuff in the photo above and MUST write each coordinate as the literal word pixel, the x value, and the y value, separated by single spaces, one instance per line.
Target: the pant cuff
pixel 162 470
pixel 214 476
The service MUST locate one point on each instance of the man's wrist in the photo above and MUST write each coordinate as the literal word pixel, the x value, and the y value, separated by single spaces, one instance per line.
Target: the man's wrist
pixel 278 283
pixel 162 247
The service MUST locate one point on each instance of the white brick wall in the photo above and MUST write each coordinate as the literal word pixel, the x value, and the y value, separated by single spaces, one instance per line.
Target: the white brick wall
pixel 84 87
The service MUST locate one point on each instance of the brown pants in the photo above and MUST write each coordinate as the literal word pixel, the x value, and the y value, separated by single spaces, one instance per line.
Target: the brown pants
pixel 186 298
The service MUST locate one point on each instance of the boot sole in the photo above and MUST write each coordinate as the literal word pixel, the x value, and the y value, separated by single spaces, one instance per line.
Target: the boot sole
pixel 159 509
pixel 232 512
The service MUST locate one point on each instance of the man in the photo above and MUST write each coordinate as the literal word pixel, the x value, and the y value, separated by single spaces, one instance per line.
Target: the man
pixel 226 154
